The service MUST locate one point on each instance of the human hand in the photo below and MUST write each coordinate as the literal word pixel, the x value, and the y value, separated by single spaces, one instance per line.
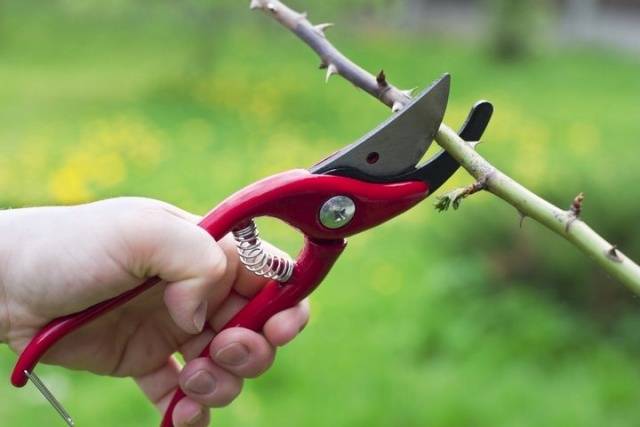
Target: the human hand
pixel 59 260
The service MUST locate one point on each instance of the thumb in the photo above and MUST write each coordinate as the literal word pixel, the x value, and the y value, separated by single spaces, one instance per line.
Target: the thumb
pixel 168 244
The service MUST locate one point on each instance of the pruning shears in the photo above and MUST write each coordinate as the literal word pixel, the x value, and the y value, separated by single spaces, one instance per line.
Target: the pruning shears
pixel 357 188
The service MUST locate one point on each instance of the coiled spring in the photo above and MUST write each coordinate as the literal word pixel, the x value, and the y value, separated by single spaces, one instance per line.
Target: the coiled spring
pixel 256 259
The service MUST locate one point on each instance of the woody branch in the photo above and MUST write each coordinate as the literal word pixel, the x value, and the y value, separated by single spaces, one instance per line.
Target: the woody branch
pixel 566 223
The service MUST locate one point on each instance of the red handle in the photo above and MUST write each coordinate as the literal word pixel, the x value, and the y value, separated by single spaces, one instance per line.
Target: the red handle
pixel 60 327
pixel 313 264
pixel 294 197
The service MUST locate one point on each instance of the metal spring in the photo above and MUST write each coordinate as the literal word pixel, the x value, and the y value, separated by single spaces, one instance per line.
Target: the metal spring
pixel 256 259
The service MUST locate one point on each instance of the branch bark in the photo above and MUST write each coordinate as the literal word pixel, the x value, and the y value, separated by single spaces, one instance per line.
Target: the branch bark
pixel 565 223
pixel 331 59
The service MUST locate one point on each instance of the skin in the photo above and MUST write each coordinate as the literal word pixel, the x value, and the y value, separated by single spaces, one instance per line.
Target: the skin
pixel 59 260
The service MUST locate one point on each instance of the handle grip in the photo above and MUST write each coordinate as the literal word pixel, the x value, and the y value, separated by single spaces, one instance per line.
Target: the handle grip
pixel 313 264
pixel 294 197
pixel 60 327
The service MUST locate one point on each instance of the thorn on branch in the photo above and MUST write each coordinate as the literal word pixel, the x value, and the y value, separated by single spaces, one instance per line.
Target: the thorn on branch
pixel 397 106
pixel 381 78
pixel 576 205
pixel 455 197
pixel 522 217
pixel 613 255
pixel 255 4
pixel 331 70
pixel 408 93
pixel 321 27
pixel 575 210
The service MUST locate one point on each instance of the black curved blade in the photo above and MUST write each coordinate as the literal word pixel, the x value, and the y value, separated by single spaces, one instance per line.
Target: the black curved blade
pixel 397 145
pixel 440 167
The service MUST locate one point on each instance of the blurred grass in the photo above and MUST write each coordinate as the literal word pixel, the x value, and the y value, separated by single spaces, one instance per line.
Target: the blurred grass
pixel 448 320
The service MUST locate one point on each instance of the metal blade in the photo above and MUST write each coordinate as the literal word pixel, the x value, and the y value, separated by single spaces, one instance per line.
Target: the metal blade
pixel 398 144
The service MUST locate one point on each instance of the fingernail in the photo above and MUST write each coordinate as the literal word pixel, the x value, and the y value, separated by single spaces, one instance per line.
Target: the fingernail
pixel 202 382
pixel 200 316
pixel 197 417
pixel 234 354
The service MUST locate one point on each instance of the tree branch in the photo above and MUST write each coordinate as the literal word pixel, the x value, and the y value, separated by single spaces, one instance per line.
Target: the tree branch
pixel 455 197
pixel 330 58
pixel 564 223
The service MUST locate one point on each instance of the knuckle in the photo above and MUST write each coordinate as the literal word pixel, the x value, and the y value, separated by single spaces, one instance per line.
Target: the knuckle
pixel 141 216
pixel 229 248
pixel 215 262
pixel 140 222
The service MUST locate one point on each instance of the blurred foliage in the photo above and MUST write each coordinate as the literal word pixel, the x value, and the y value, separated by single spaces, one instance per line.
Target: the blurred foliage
pixel 515 27
pixel 445 320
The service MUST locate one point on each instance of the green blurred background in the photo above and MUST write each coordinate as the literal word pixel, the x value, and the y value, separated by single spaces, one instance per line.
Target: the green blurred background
pixel 446 320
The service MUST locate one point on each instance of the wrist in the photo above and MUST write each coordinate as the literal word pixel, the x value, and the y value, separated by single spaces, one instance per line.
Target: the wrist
pixel 4 315
pixel 4 261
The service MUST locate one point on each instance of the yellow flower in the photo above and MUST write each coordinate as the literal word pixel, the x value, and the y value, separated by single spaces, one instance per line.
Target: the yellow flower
pixel 68 185
pixel 99 160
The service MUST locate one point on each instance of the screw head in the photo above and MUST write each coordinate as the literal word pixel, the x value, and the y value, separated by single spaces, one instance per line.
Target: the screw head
pixel 337 212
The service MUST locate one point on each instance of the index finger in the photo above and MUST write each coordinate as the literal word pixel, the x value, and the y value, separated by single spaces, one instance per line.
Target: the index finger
pixel 244 282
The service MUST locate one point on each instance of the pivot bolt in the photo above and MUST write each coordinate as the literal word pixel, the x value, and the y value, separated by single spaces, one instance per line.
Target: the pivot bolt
pixel 337 212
